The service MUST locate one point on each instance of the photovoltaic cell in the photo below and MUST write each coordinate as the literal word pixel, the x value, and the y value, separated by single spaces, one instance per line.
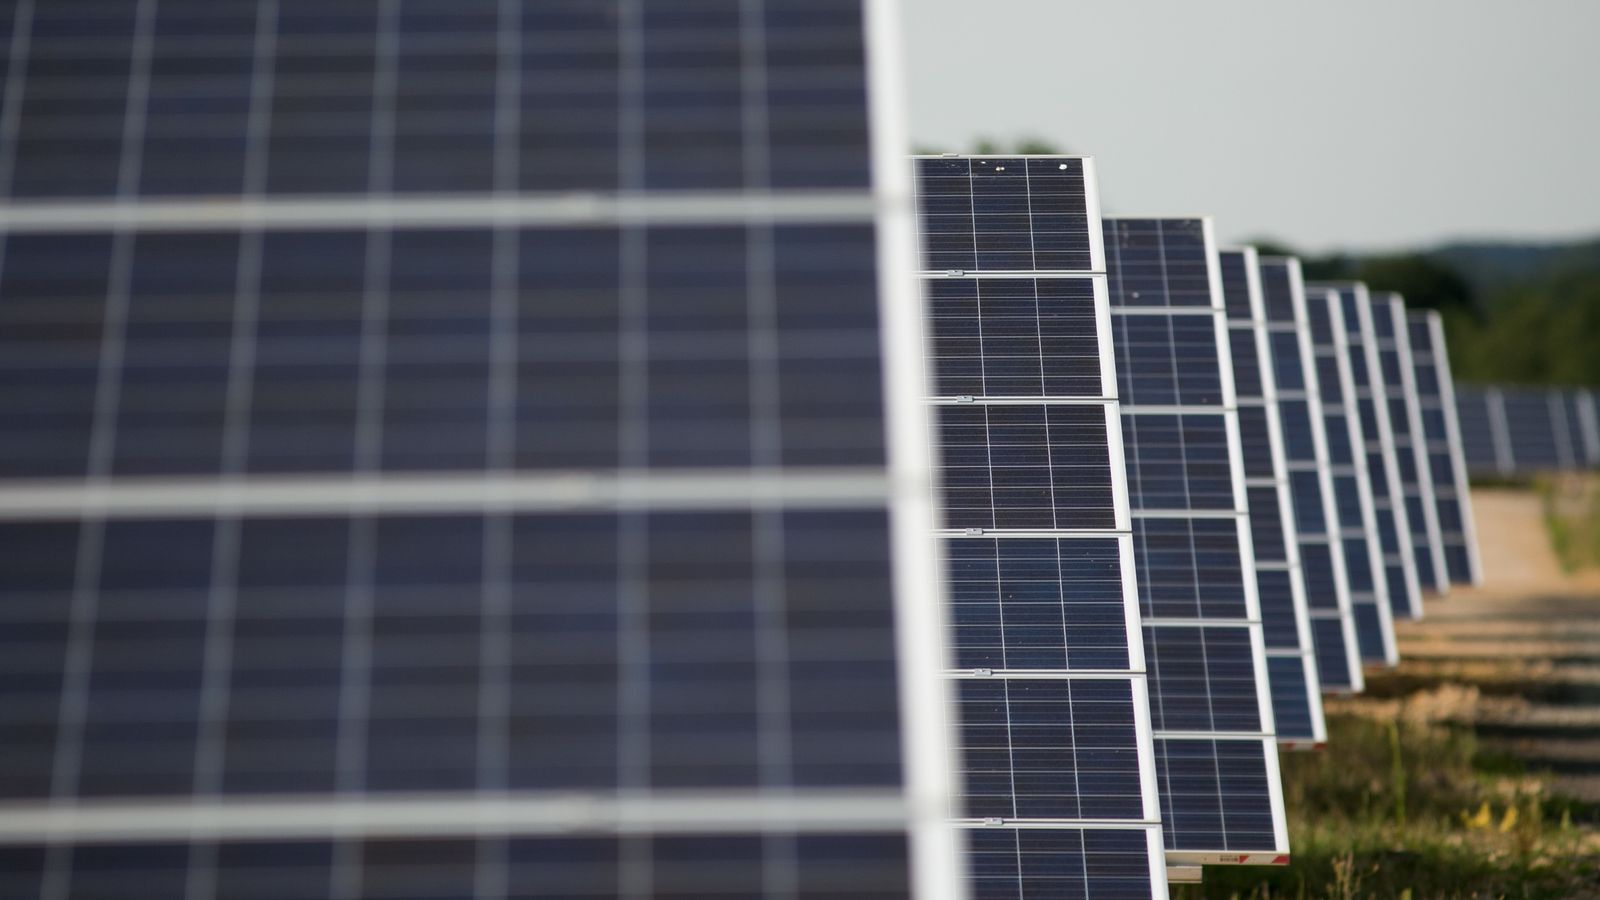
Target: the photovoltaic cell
pixel 476 404
pixel 1280 584
pixel 1442 431
pixel 1388 499
pixel 1211 707
pixel 1352 493
pixel 1411 453
pixel 1052 695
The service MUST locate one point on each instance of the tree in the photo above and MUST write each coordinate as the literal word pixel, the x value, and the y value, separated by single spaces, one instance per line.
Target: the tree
pixel 1423 281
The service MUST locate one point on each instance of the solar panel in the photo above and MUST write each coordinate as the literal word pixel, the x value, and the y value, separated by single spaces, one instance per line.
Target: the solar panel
pixel 1211 707
pixel 1535 429
pixel 387 518
pixel 1484 442
pixel 1583 431
pixel 1280 578
pixel 1060 784
pixel 1437 400
pixel 1405 594
pixel 1358 522
pixel 1310 470
pixel 1411 457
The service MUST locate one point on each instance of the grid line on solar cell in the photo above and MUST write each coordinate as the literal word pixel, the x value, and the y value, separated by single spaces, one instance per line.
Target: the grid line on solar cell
pixel 210 329
pixel 1367 373
pixel 1203 637
pixel 1280 583
pixel 1357 517
pixel 1445 444
pixel 1054 707
pixel 1405 414
pixel 1295 371
pixel 323 88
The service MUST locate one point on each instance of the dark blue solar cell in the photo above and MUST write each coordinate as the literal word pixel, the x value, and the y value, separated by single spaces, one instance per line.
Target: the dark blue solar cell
pixel 1164 360
pixel 1157 263
pixel 1333 665
pixel 1232 776
pixel 1317 568
pixel 1299 437
pixel 1278 279
pixel 1014 864
pixel 1003 214
pixel 1049 749
pixel 1246 363
pixel 1189 568
pixel 1014 337
pixel 1255 438
pixel 1291 704
pixel 1025 467
pixel 1266 525
pixel 1204 678
pixel 1178 462
pixel 51 329
pixel 1235 268
pixel 1037 604
pixel 1288 370
pixel 1276 590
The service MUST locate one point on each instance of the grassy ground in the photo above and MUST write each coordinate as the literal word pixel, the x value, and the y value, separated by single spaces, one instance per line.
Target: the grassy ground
pixel 1572 513
pixel 1399 806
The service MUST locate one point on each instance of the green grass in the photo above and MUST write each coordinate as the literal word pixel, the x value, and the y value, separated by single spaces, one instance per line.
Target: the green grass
pixel 1416 810
pixel 1572 514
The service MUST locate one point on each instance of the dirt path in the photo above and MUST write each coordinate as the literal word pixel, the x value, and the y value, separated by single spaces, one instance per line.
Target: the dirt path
pixel 1527 644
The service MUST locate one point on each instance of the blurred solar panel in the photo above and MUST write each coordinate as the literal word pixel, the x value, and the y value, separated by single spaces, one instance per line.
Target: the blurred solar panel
pixel 1211 707
pixel 389 507
pixel 1443 434
pixel 1358 523
pixel 1484 441
pixel 1388 497
pixel 1583 430
pixel 1054 706
pixel 1540 436
pixel 1405 421
pixel 1280 579
pixel 1294 365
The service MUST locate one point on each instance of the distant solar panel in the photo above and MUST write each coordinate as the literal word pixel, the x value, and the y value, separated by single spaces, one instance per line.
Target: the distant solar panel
pixel 1210 703
pixel 1583 431
pixel 1484 441
pixel 1367 373
pixel 387 519
pixel 1411 457
pixel 1060 782
pixel 1280 578
pixel 1310 470
pixel 1358 523
pixel 1536 430
pixel 1436 397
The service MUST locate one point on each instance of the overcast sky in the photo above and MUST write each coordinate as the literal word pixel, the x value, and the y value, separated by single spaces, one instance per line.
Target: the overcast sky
pixel 1350 124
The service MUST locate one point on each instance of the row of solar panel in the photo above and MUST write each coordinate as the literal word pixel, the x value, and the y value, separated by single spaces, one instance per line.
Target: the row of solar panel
pixel 1275 464
pixel 1520 431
